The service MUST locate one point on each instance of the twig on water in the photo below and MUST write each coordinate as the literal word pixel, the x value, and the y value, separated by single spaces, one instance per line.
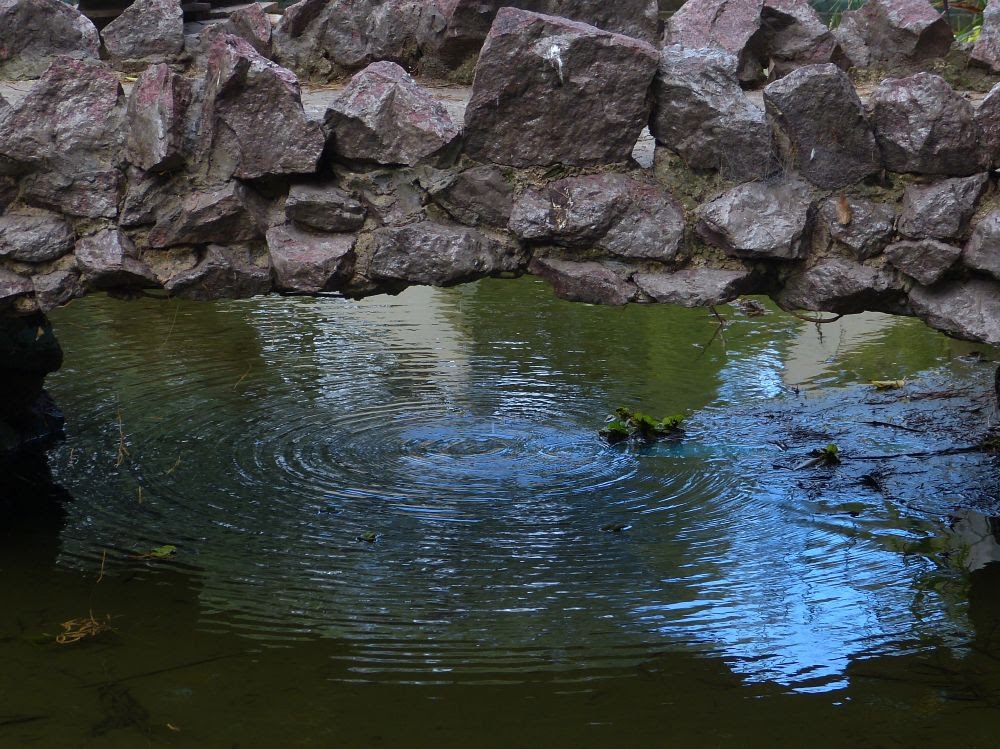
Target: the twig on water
pixel 173 467
pixel 243 377
pixel 104 558
pixel 122 449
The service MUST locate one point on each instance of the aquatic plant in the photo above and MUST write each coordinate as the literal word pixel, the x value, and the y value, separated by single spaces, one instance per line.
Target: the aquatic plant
pixel 636 427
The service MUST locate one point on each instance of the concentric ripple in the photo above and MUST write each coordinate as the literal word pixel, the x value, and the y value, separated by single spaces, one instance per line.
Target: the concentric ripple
pixel 421 478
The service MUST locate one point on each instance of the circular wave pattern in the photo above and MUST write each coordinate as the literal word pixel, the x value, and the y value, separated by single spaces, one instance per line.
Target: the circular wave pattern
pixel 377 474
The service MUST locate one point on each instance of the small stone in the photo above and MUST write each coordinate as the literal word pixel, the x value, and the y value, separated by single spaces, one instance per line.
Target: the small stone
pixel 822 126
pixel 695 287
pixel 759 219
pixel 701 114
pixel 923 126
pixel 146 30
pixel 307 262
pixel 925 260
pixel 965 309
pixel 551 91
pixel 33 33
pixel 56 288
pixel 384 116
pixel 225 272
pixel 982 252
pixel 108 260
pixel 586 281
pixel 324 207
pixel 34 237
pixel 157 120
pixel 843 286
pixel 864 226
pixel 941 210
pixel 612 212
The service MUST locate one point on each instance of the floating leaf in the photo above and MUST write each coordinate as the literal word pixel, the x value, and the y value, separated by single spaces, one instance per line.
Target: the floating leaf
pixel 162 552
pixel 615 527
pixel 369 537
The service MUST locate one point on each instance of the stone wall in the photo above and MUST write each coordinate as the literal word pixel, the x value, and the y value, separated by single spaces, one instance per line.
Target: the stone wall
pixel 210 179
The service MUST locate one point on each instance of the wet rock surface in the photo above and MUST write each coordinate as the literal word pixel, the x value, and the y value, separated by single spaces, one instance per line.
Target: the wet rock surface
pixel 587 281
pixel 695 287
pixel 550 91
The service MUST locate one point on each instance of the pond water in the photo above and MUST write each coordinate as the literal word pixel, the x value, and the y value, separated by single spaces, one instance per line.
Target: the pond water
pixel 319 522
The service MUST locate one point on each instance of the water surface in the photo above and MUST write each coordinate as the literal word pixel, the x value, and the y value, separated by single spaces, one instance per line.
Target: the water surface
pixel 745 601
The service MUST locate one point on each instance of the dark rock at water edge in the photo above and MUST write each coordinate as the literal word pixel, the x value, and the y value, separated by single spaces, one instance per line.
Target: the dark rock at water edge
pixel 943 209
pixel 843 286
pixel 307 262
pixel 759 219
pixel 33 33
pixel 385 117
pixel 225 272
pixel 925 260
pixel 34 237
pixel 615 213
pixel 551 91
pixel 922 125
pixel 109 260
pixel 864 226
pixel 965 309
pixel 821 125
pixel 586 281
pixel 695 287
pixel 433 254
pixel 701 114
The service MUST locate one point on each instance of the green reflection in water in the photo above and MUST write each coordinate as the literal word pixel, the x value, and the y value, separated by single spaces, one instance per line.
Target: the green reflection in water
pixel 267 435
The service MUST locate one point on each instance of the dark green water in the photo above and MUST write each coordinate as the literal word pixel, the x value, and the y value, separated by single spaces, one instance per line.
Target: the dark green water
pixel 746 603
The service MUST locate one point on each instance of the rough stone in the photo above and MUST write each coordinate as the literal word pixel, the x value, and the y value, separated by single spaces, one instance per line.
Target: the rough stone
pixel 965 309
pixel 701 114
pixel 34 237
pixel 923 126
pixel 864 226
pixel 941 210
pixel 587 281
pixel 433 254
pixel 171 263
pixel 151 30
pixel 986 51
pixel 91 194
pixel 14 290
pixel 982 251
pixel 56 288
pixel 253 114
pixel 33 33
pixel 925 260
pixel 988 121
pixel 724 24
pixel 794 35
pixel 759 219
pixel 248 22
pixel 635 18
pixel 384 116
pixel 476 197
pixel 70 121
pixel 324 207
pixel 694 287
pixel 612 212
pixel 821 126
pixel 212 216
pixel 148 195
pixel 550 91
pixel 895 32
pixel 157 120
pixel 307 262
pixel 225 272
pixel 843 286
pixel 393 197
pixel 108 260
pixel 325 38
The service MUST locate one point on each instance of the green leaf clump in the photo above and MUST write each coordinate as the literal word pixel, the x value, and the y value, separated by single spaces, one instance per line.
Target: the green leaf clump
pixel 626 425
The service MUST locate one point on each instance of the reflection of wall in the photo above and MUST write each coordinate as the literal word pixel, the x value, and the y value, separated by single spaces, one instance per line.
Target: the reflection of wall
pixel 809 355
pixel 977 534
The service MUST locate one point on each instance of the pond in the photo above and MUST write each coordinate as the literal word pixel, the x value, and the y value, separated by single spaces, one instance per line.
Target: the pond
pixel 391 522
